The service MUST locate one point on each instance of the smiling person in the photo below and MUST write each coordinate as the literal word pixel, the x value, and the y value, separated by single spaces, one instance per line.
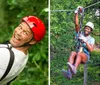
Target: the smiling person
pixel 14 55
pixel 83 56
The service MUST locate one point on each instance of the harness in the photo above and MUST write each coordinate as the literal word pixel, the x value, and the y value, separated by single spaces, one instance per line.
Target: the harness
pixel 8 46
pixel 11 60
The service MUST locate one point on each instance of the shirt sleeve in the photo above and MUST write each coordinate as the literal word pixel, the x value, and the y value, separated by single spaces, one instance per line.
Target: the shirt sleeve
pixel 92 41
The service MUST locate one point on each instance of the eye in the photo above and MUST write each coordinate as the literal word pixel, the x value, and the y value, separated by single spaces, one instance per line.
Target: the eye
pixel 19 27
pixel 25 33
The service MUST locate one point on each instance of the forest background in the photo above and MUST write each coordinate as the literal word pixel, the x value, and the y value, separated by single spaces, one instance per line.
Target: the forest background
pixel 62 30
pixel 11 12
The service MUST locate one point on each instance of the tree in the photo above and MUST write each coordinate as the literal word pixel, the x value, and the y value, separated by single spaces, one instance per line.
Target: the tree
pixel 63 38
pixel 11 12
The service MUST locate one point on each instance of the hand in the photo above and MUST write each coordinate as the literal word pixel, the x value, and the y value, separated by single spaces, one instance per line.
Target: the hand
pixel 81 37
pixel 79 9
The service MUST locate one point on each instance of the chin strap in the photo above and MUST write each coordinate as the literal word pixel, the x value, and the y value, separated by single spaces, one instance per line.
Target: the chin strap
pixel 26 44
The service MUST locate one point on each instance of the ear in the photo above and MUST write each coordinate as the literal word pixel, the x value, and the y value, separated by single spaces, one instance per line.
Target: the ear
pixel 33 42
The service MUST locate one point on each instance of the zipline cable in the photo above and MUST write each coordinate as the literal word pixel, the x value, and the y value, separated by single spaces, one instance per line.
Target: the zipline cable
pixel 73 10
pixel 92 5
pixel 61 10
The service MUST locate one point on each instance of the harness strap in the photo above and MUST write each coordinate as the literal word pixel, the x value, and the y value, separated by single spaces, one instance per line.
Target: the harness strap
pixel 11 61
pixel 79 42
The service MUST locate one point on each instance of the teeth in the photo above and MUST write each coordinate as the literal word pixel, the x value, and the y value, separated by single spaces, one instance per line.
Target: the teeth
pixel 17 37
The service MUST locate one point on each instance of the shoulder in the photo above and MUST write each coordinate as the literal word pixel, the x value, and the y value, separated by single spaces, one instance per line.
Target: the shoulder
pixel 91 40
pixel 4 51
pixel 4 54
pixel 20 55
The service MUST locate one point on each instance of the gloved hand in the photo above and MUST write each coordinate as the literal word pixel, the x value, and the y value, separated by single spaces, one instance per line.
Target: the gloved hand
pixel 81 37
pixel 79 8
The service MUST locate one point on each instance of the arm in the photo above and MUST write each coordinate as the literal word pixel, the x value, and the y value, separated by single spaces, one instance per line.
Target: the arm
pixel 90 46
pixel 76 20
pixel 77 27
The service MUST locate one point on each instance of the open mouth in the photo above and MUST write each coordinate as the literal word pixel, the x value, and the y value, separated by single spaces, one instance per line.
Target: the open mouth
pixel 16 37
pixel 86 31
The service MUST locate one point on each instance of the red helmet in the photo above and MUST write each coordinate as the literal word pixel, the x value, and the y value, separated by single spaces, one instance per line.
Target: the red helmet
pixel 36 25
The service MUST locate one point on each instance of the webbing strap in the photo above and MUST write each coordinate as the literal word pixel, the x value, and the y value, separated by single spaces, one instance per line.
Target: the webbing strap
pixel 81 19
pixel 79 42
pixel 11 61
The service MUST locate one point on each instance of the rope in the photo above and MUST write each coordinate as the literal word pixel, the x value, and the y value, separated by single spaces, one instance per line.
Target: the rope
pixel 74 10
pixel 92 5
pixel 79 42
pixel 61 10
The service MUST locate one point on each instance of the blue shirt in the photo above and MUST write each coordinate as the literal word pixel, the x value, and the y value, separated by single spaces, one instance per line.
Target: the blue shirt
pixel 90 40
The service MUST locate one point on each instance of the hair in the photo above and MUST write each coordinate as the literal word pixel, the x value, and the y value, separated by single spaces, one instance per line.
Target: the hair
pixel 89 27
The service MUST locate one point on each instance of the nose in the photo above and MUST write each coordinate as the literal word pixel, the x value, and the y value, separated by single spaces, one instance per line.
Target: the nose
pixel 19 32
pixel 87 30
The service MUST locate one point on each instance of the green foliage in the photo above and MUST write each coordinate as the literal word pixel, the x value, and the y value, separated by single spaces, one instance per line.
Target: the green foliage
pixel 62 41
pixel 11 12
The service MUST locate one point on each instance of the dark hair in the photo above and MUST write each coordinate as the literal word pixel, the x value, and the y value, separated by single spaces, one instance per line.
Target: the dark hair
pixel 89 27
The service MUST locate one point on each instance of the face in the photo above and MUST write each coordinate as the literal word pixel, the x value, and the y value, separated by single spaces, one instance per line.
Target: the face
pixel 21 35
pixel 87 30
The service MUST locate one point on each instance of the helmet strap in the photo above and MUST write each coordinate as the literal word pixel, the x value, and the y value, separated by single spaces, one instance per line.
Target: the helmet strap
pixel 27 44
